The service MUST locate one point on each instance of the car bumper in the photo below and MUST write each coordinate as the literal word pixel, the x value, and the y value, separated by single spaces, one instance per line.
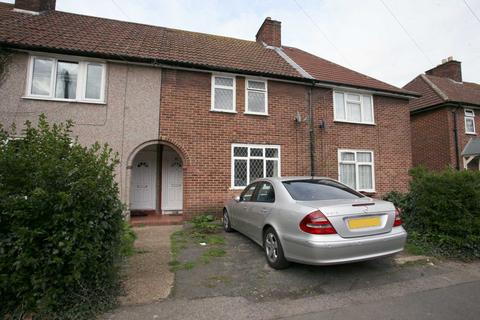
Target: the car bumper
pixel 333 249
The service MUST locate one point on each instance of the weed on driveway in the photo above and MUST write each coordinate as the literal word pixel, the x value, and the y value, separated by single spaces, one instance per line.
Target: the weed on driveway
pixel 229 264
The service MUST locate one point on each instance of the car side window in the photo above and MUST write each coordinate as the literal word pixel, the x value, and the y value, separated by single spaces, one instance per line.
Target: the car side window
pixel 247 194
pixel 265 192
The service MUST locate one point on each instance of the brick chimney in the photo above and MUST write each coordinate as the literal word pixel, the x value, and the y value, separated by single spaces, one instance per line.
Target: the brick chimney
pixel 449 68
pixel 35 5
pixel 270 33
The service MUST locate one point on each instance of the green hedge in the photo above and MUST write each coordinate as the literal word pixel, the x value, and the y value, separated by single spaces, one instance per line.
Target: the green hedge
pixel 60 224
pixel 442 212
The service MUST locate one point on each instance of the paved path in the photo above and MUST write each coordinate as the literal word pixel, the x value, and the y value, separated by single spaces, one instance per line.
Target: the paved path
pixel 149 278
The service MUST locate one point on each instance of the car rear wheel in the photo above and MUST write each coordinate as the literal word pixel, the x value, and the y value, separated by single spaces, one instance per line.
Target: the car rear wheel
pixel 273 250
pixel 226 222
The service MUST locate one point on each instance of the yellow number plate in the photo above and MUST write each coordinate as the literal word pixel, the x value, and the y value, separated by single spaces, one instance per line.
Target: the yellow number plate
pixel 358 223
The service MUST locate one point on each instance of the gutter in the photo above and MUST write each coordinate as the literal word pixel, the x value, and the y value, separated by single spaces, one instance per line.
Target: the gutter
pixel 311 131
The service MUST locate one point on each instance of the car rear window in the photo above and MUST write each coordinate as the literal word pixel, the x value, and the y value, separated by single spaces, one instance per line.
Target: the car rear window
pixel 319 189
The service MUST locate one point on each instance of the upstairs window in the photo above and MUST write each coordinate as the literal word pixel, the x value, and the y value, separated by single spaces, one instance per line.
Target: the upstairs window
pixel 250 162
pixel 470 121
pixel 223 93
pixel 256 97
pixel 64 79
pixel 353 107
pixel 355 169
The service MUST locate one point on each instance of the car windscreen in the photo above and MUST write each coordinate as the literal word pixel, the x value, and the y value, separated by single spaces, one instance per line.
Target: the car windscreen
pixel 319 189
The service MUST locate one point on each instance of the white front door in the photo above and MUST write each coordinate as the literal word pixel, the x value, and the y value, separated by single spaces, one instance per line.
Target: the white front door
pixel 172 181
pixel 144 172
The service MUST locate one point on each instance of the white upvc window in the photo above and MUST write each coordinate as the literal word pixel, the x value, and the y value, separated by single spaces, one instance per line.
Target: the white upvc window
pixel 356 169
pixel 353 107
pixel 251 161
pixel 66 79
pixel 256 97
pixel 223 93
pixel 470 121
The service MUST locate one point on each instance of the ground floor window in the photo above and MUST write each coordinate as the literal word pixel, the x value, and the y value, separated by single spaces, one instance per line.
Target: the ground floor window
pixel 250 162
pixel 355 169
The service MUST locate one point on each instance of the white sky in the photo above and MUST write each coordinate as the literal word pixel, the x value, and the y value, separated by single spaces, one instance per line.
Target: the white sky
pixel 362 34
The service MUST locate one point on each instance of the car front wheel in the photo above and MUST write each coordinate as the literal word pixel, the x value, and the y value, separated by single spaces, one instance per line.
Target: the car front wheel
pixel 273 250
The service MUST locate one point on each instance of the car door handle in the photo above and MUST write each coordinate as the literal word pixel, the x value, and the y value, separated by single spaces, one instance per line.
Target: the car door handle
pixel 264 210
pixel 245 207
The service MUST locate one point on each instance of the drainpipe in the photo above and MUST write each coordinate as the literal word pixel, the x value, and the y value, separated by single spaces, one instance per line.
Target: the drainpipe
pixel 312 133
pixel 455 137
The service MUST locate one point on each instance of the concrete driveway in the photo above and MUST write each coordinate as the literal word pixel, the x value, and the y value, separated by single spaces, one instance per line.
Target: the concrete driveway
pixel 240 285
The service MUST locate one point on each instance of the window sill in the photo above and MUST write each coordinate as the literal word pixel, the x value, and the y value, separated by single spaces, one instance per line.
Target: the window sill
pixel 471 133
pixel 353 122
pixel 236 188
pixel 256 114
pixel 64 100
pixel 223 111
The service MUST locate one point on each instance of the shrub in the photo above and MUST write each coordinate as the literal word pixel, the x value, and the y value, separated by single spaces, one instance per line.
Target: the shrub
pixel 442 212
pixel 60 224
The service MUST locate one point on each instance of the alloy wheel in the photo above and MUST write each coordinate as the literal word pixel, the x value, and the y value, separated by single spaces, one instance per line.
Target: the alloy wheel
pixel 271 247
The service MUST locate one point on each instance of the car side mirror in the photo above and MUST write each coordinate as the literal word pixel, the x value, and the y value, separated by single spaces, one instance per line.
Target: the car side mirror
pixel 237 198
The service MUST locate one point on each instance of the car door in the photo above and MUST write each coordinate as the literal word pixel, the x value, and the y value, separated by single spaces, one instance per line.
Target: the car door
pixel 262 205
pixel 242 207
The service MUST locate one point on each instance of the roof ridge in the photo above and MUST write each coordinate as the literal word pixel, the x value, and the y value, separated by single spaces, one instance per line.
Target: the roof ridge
pixel 292 62
pixel 436 89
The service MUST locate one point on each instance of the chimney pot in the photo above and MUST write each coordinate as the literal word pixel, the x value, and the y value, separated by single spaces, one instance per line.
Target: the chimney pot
pixel 270 32
pixel 35 5
pixel 449 68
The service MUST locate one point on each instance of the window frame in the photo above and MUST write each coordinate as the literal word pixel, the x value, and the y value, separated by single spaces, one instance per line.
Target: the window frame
pixel 247 89
pixel 357 164
pixel 345 100
pixel 470 116
pixel 81 79
pixel 248 157
pixel 233 88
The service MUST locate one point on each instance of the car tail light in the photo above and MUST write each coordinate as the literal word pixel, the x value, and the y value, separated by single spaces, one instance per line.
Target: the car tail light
pixel 398 218
pixel 317 223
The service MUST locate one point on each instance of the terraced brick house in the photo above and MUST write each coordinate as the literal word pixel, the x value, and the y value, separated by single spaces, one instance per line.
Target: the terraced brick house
pixel 445 120
pixel 196 117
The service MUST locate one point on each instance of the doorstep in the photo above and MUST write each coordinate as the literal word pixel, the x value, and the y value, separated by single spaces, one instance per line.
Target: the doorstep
pixel 156 219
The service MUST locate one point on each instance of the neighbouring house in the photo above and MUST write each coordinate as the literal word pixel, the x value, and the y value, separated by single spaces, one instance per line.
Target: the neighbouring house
pixel 445 119
pixel 196 117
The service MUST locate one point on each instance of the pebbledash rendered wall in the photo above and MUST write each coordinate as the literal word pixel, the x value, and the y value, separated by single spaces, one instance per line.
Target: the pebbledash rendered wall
pixel 206 137
pixel 128 119
pixel 145 105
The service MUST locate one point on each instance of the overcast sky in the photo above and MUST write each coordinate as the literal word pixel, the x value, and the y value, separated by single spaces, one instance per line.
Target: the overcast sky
pixel 362 35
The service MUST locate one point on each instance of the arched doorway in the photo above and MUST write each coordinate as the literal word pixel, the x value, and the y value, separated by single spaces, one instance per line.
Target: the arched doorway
pixel 156 180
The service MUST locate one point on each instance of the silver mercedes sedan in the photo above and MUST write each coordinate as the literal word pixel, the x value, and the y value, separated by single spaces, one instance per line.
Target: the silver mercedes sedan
pixel 314 220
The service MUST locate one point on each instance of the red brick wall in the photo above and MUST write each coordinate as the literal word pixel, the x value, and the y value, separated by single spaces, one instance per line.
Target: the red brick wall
pixel 433 144
pixel 389 140
pixel 431 139
pixel 206 137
